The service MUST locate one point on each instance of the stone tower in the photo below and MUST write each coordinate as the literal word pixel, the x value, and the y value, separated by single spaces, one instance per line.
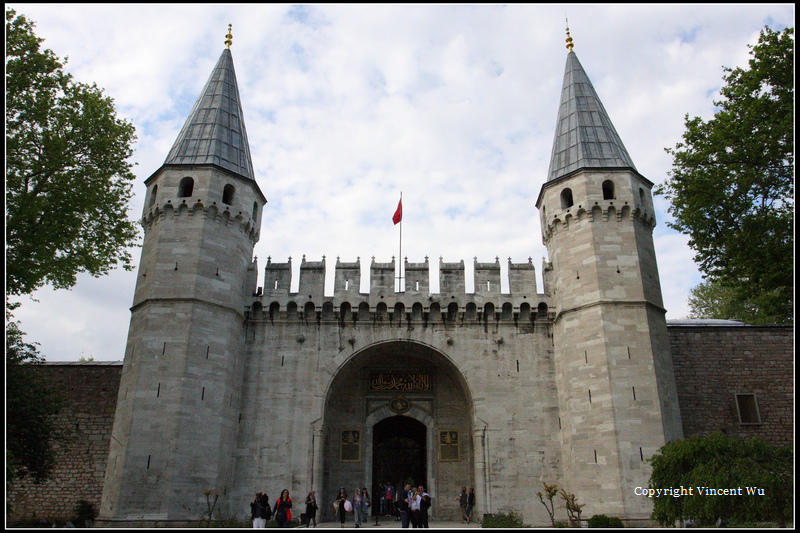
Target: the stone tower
pixel 613 368
pixel 173 436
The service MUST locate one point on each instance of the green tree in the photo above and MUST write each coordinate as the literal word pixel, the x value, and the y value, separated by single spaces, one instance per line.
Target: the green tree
pixel 713 300
pixel 722 462
pixel 731 185
pixel 68 179
pixel 32 407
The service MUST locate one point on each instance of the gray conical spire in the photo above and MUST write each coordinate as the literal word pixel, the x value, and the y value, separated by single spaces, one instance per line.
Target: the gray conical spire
pixel 585 136
pixel 214 133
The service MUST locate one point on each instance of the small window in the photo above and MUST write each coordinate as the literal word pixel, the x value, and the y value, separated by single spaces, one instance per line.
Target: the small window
pixel 227 194
pixel 566 198
pixel 608 190
pixel 747 408
pixel 185 187
pixel 641 196
pixel 153 194
pixel 255 211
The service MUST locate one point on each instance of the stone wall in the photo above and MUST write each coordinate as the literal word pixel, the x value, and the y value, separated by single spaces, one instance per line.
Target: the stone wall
pixel 713 363
pixel 90 390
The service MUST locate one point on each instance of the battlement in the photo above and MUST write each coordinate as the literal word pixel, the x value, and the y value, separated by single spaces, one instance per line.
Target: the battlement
pixel 415 302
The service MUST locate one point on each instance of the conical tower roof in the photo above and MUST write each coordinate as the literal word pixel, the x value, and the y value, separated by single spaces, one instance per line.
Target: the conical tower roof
pixel 214 133
pixel 585 136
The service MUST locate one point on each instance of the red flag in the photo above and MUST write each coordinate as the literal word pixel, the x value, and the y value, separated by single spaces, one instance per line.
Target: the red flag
pixel 398 215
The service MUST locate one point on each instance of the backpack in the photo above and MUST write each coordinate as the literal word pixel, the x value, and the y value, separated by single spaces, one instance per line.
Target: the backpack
pixel 425 503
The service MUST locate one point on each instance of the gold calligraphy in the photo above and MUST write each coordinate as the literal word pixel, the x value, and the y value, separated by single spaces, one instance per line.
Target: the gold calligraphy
pixel 400 381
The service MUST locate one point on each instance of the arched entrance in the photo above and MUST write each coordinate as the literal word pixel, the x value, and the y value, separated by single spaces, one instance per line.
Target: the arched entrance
pixel 399 454
pixel 397 411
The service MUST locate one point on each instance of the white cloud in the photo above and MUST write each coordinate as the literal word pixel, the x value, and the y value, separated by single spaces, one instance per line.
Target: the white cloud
pixel 347 105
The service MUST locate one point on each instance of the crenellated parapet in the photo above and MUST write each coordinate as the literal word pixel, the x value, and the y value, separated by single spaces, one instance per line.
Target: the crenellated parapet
pixel 598 197
pixel 416 303
pixel 222 215
pixel 564 220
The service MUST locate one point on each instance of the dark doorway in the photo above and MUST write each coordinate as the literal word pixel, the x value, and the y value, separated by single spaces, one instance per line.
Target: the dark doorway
pixel 399 454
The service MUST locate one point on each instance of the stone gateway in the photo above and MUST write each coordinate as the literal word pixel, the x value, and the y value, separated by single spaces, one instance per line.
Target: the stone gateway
pixel 228 388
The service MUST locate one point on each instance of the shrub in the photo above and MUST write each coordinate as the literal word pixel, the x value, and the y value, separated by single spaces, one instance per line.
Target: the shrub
pixel 502 520
pixel 601 520
pixel 83 511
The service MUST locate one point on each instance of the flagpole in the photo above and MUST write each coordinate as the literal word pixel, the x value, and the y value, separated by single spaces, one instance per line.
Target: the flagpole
pixel 400 258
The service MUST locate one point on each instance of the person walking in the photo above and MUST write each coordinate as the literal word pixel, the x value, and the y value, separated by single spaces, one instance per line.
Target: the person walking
pixel 283 509
pixel 382 494
pixel 365 504
pixel 341 498
pixel 470 504
pixel 260 510
pixel 357 506
pixel 462 501
pixel 389 498
pixel 311 508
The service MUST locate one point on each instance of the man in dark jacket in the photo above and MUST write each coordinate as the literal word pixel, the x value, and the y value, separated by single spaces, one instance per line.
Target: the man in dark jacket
pixel 402 506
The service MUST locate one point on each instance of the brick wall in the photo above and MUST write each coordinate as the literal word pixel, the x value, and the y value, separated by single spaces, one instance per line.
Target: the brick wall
pixel 712 363
pixel 91 393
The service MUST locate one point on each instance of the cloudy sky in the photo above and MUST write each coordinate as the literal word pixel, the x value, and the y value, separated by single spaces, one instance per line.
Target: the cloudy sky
pixel 347 106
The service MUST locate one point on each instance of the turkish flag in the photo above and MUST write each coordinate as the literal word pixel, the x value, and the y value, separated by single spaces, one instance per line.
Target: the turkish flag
pixel 398 215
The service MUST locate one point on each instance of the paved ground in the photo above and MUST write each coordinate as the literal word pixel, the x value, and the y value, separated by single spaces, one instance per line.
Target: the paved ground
pixel 391 524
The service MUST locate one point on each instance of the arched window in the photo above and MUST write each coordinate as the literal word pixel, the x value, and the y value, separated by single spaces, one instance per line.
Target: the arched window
pixel 227 194
pixel 488 311
pixel 255 211
pixel 345 313
pixel 185 187
pixel 608 190
pixel 541 310
pixel 452 312
pixel 416 311
pixel 566 198
pixel 508 311
pixel 471 311
pixel 310 311
pixel 642 196
pixel 274 309
pixel 153 195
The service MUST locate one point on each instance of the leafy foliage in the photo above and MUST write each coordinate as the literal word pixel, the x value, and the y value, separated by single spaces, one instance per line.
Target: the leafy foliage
pixel 572 506
pixel 722 462
pixel 510 519
pixel 68 181
pixel 31 409
pixel 601 520
pixel 550 492
pixel 731 185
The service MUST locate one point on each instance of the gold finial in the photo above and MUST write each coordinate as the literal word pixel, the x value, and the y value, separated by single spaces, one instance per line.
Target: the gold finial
pixel 569 39
pixel 228 38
